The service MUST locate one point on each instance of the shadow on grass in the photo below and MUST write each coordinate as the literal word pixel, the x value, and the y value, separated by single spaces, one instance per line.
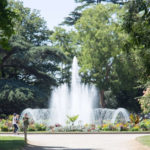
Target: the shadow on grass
pixel 11 144
pixel 33 147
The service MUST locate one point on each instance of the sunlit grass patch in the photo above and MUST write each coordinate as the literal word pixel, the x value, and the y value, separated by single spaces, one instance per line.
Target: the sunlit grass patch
pixel 145 140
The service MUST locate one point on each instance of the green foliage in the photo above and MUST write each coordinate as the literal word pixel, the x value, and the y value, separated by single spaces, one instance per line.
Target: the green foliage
pixel 106 127
pixel 134 118
pixel 103 58
pixel 145 101
pixel 115 61
pixel 124 83
pixel 145 124
pixel 110 99
pixel 101 43
pixel 99 46
pixel 16 95
pixel 72 119
pixel 3 116
pixel 31 26
pixel 40 127
pixel 135 128
pixel 64 40
pixel 31 127
pixel 28 58
pixel 7 14
pixel 4 128
pixel 75 15
pixel 10 118
pixel 136 23
pixel 29 68
pixel 11 143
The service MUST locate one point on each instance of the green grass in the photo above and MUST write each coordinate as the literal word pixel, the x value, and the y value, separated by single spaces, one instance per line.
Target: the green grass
pixel 145 140
pixel 11 143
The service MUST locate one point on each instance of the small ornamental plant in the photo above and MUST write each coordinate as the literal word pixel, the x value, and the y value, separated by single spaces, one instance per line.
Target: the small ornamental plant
pixel 72 119
pixel 145 124
pixel 105 127
pixel 135 128
pixel 31 127
pixel 40 127
pixel 4 128
pixel 134 118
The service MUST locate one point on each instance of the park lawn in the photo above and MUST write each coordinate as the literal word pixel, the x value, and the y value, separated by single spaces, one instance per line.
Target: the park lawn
pixel 11 143
pixel 145 140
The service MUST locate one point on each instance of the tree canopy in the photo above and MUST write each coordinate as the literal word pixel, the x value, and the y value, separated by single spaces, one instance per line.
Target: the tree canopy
pixel 31 65
pixel 7 14
pixel 84 4
pixel 111 40
pixel 102 58
pixel 137 23
pixel 99 44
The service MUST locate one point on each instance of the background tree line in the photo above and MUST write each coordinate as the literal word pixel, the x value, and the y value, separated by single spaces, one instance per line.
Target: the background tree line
pixel 111 41
pixel 28 66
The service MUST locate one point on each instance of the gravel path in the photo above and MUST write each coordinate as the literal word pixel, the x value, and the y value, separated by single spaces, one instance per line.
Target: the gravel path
pixel 84 142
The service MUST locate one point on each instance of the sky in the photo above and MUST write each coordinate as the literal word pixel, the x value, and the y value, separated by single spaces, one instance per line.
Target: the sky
pixel 53 11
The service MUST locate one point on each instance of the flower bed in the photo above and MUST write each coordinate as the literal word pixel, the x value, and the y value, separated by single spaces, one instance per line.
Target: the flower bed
pixel 6 126
pixel 134 125
pixel 142 126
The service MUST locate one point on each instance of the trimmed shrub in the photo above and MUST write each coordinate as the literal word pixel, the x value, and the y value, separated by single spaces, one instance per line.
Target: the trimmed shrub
pixel 40 127
pixel 4 128
pixel 31 128
pixel 135 128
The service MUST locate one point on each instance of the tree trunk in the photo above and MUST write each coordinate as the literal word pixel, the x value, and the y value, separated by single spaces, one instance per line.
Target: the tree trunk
pixel 2 71
pixel 25 134
pixel 102 103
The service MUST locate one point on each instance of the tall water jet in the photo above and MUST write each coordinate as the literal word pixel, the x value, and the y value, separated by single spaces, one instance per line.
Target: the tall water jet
pixel 78 100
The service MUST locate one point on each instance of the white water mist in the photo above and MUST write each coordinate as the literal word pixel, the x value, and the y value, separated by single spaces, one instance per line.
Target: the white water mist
pixel 75 101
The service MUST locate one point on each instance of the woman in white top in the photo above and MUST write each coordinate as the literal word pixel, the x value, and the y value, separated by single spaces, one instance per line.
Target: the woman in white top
pixel 14 122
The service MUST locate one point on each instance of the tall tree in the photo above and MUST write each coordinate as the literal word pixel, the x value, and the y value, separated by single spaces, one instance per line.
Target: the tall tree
pixel 77 13
pixel 101 43
pixel 31 26
pixel 31 65
pixel 137 23
pixel 124 81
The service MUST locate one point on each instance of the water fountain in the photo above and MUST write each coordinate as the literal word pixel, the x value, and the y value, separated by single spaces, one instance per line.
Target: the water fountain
pixel 79 100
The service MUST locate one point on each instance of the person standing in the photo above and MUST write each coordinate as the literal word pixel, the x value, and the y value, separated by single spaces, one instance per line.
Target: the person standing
pixel 25 124
pixel 14 122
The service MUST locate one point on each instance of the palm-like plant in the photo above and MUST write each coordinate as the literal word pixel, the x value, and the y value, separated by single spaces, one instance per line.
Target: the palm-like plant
pixel 72 119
